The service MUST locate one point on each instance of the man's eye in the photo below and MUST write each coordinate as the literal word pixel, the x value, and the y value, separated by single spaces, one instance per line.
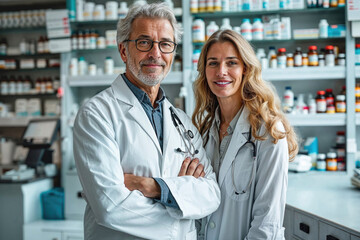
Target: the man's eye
pixel 143 42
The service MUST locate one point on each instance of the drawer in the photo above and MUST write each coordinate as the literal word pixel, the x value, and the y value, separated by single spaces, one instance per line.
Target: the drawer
pixel 328 232
pixel 353 237
pixel 305 227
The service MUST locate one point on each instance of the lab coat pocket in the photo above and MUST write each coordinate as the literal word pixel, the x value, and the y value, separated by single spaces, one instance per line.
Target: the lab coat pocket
pixel 191 235
pixel 239 176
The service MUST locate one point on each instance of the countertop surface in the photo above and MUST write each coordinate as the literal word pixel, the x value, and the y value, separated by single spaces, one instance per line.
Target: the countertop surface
pixel 327 195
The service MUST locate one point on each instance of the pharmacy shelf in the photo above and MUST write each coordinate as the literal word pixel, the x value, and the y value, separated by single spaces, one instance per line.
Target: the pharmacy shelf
pixel 357 119
pixel 304 73
pixel 40 55
pixel 357 71
pixel 20 121
pixel 282 11
pixel 29 69
pixel 22 30
pixel 106 80
pixel 324 119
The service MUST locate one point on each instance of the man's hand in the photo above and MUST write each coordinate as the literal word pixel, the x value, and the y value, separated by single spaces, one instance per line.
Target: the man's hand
pixel 148 186
pixel 192 168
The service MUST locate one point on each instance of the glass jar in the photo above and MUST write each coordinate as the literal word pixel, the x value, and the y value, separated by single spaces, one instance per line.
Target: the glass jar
pixel 313 56
pixel 281 58
pixel 331 161
pixel 340 104
pixel 305 60
pixel 289 60
pixel 298 57
pixel 320 102
pixel 321 162
pixel 329 56
pixel 341 59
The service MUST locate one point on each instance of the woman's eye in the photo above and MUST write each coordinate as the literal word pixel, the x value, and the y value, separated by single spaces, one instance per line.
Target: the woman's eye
pixel 212 63
pixel 232 63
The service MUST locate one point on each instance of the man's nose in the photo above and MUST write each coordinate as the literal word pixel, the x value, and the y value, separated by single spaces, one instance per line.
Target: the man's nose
pixel 155 51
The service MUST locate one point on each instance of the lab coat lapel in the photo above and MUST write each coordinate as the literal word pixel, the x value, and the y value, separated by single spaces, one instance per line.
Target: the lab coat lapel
pixel 125 95
pixel 170 133
pixel 237 142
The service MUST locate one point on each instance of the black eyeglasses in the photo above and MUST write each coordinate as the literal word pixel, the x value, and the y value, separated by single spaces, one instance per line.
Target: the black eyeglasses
pixel 145 45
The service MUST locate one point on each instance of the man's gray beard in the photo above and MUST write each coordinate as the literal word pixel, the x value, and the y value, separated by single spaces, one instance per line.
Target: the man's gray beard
pixel 145 78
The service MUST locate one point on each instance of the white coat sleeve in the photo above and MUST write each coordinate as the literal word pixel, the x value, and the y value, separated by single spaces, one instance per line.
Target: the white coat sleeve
pixel 270 191
pixel 196 197
pixel 97 159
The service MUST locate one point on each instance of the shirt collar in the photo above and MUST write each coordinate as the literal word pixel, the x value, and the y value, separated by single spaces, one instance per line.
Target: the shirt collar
pixel 141 95
pixel 233 122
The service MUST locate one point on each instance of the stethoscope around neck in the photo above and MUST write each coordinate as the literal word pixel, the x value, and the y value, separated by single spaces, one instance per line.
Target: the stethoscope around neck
pixel 254 154
pixel 186 135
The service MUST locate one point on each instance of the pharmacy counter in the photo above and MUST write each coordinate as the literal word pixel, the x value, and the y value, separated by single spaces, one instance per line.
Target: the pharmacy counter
pixel 321 205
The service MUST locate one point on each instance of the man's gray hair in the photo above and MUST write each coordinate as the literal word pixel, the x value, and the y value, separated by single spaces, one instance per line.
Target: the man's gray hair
pixel 153 10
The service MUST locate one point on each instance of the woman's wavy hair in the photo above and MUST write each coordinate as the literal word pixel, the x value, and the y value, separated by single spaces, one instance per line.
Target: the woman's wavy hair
pixel 259 97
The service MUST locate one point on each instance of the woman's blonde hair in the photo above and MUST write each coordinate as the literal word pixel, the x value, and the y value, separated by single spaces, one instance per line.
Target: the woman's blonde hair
pixel 257 96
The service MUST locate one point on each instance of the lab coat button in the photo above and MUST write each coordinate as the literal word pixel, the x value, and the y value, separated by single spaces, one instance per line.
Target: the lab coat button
pixel 212 224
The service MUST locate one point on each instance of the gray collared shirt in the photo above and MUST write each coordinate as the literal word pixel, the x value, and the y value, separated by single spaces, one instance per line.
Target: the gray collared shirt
pixel 224 144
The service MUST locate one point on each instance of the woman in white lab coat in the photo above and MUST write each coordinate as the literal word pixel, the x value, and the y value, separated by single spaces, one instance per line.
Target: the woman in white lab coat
pixel 247 138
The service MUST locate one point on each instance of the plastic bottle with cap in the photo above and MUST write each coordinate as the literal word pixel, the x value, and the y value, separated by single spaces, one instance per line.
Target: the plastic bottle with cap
pixel 246 29
pixel 211 28
pixel 288 101
pixel 226 24
pixel 257 29
pixel 323 28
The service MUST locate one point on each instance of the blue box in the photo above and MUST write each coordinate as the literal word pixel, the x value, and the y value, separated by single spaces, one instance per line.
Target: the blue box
pixel 52 204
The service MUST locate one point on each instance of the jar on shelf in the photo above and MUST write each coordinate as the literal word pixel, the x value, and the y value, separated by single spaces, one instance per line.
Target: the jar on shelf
pixel 321 162
pixel 357 54
pixel 321 60
pixel 357 104
pixel 109 66
pixel 305 60
pixel 341 61
pixel 298 57
pixel 329 96
pixel 281 58
pixel 331 161
pixel 340 104
pixel 289 60
pixel 320 102
pixel 329 56
pixel 313 56
pixel 198 30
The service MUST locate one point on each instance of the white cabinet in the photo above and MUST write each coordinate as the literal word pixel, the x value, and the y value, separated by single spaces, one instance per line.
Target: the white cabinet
pixel 54 230
pixel 289 222
pixel 305 227
pixel 329 232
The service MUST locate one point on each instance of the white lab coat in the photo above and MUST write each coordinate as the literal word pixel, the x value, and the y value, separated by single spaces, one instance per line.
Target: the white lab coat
pixel 258 213
pixel 113 136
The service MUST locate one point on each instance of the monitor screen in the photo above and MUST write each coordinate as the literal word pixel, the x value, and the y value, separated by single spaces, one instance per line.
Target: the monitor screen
pixel 40 132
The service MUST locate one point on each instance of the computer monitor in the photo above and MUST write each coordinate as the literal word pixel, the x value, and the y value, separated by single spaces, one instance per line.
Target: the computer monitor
pixel 38 136
pixel 40 133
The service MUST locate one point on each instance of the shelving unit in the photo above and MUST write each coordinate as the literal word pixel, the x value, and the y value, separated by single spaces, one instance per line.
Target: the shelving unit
pixel 20 121
pixel 319 77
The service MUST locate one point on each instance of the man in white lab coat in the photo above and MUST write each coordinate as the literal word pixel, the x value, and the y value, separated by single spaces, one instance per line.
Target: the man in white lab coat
pixel 129 155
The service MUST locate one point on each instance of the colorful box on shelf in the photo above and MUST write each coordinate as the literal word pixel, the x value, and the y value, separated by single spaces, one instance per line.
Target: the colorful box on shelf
pixel 306 33
pixel 338 30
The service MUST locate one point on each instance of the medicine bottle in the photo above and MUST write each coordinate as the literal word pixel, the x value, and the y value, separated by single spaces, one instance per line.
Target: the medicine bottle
pixel 330 108
pixel 321 162
pixel 298 57
pixel 257 29
pixel 289 60
pixel 331 161
pixel 109 66
pixel 198 30
pixel 357 54
pixel 329 56
pixel 246 29
pixel 281 58
pixel 211 28
pixel 4 86
pixel 340 104
pixel 329 96
pixel 323 28
pixel 320 102
pixel 305 60
pixel 313 56
pixel 273 61
pixel 333 3
pixel 321 60
pixel 341 59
